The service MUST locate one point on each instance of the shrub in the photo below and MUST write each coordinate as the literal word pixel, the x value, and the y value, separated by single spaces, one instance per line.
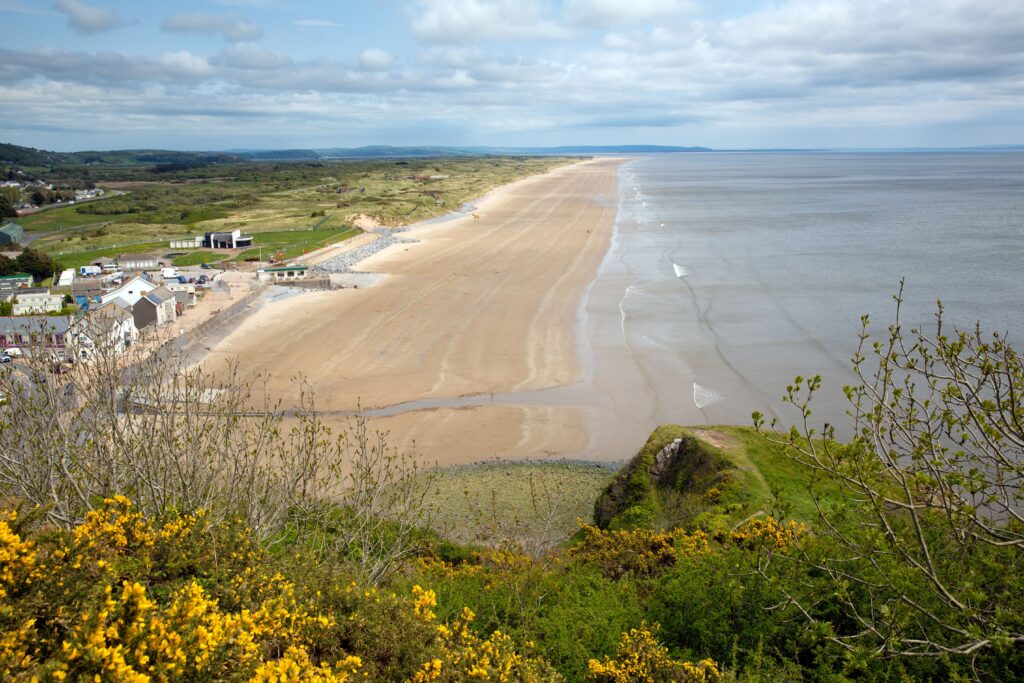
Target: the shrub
pixel 641 659
pixel 640 552
pixel 122 597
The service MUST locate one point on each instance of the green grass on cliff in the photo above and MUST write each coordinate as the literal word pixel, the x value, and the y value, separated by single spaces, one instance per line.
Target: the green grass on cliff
pixel 727 475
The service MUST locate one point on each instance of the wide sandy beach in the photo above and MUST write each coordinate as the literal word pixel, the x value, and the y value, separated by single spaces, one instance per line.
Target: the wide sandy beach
pixel 476 307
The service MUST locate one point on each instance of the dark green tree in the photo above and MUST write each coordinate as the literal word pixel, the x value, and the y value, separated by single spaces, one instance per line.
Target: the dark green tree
pixel 37 264
pixel 6 210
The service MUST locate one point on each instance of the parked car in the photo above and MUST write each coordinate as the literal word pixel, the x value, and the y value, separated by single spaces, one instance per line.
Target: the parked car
pixel 205 266
pixel 13 351
pixel 4 358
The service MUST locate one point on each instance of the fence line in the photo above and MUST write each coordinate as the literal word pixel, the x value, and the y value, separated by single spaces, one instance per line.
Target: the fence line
pixel 193 346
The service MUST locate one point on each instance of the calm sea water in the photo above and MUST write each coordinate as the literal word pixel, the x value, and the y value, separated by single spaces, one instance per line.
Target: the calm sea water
pixel 732 273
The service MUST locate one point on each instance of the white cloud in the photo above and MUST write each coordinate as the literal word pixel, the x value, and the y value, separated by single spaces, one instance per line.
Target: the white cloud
pixel 617 13
pixel 87 19
pixel 794 64
pixel 374 59
pixel 469 21
pixel 184 64
pixel 233 28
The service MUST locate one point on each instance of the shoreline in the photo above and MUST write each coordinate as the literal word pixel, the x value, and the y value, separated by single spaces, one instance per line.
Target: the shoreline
pixel 462 390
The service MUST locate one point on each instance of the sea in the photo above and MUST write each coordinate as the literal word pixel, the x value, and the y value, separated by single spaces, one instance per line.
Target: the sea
pixel 732 273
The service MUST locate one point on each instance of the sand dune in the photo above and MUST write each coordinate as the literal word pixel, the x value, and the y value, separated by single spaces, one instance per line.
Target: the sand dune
pixel 475 307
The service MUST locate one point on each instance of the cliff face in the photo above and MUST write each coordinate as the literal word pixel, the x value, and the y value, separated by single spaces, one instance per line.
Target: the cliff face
pixel 673 476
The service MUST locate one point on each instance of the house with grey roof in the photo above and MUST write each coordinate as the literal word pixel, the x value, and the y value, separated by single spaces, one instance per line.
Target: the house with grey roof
pixel 158 307
pixel 38 332
pixel 136 262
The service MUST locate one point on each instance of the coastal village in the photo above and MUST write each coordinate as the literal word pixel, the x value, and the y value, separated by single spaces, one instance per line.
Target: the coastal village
pixel 125 300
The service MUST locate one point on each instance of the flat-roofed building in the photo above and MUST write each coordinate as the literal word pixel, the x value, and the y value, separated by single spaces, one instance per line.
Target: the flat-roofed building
pixel 227 240
pixel 16 281
pixel 296 271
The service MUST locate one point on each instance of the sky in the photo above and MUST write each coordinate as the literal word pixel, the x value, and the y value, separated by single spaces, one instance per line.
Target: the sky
pixel 274 74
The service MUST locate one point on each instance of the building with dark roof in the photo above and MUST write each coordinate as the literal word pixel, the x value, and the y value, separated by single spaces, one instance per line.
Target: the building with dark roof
pixel 12 233
pixel 158 307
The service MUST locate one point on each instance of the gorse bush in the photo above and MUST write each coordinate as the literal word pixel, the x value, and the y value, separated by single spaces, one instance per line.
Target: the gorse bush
pixel 640 552
pixel 123 598
pixel 642 659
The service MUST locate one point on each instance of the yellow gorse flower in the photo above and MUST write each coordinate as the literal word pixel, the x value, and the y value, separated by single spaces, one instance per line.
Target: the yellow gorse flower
pixel 768 532
pixel 642 659
pixel 642 552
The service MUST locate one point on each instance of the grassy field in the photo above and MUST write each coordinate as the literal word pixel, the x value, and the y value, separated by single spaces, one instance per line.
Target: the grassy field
pixel 522 501
pixel 197 257
pixel 275 198
pixel 55 219
pixel 295 243
pixel 84 258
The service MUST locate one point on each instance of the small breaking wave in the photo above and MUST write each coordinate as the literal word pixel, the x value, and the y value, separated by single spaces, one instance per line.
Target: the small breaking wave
pixel 681 271
pixel 703 396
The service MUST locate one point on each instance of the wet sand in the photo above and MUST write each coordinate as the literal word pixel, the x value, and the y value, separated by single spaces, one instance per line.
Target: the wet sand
pixel 474 308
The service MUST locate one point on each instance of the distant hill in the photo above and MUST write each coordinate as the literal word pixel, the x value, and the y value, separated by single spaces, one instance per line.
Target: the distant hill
pixel 386 151
pixel 15 155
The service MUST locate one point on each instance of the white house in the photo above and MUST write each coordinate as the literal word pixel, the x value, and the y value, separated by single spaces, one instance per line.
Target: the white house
pixel 32 301
pixel 184 293
pixel 130 292
pixel 110 324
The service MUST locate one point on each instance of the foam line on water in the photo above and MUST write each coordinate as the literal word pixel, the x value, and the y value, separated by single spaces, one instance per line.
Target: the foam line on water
pixel 704 396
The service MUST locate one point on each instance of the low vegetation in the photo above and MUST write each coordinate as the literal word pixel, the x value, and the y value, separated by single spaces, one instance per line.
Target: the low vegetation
pixel 150 203
pixel 192 537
